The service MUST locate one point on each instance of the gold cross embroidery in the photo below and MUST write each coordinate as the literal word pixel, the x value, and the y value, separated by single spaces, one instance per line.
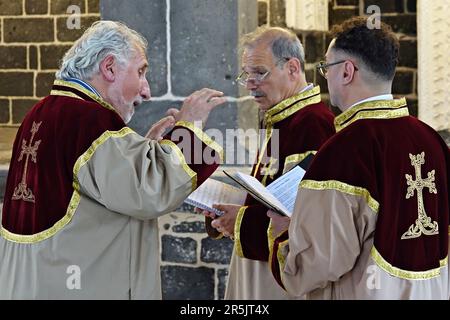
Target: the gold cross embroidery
pixel 270 169
pixel 22 191
pixel 423 222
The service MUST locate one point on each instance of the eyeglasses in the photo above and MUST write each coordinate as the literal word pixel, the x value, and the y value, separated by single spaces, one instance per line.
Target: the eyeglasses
pixel 322 67
pixel 258 77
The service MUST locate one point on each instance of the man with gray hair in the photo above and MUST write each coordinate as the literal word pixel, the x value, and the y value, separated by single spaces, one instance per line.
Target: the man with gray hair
pixel 84 191
pixel 296 123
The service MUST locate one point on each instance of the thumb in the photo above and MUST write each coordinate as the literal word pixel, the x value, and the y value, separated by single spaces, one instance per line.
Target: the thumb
pixel 172 112
pixel 158 129
pixel 271 214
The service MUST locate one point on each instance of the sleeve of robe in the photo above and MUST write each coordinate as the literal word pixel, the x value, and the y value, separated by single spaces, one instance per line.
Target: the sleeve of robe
pixel 143 178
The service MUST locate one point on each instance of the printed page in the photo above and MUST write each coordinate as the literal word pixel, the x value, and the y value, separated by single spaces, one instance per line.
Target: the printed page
pixel 214 192
pixel 285 187
pixel 261 191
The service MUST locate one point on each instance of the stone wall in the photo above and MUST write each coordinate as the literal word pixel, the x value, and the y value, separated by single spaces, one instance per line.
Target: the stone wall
pixel 400 14
pixel 34 36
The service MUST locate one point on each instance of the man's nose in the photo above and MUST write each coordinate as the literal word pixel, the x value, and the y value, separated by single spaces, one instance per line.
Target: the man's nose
pixel 145 90
pixel 251 85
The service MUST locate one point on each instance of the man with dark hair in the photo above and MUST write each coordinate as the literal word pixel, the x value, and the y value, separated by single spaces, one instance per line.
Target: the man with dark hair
pixel 371 219
pixel 296 123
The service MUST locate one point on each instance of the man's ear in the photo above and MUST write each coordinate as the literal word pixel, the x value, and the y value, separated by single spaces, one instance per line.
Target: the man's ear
pixel 294 67
pixel 108 68
pixel 348 72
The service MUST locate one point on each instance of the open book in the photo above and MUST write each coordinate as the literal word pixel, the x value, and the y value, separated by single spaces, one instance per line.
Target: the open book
pixel 279 195
pixel 212 192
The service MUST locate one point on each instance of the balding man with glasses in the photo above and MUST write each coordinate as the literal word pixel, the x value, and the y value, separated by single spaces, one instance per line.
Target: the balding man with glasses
pixel 273 70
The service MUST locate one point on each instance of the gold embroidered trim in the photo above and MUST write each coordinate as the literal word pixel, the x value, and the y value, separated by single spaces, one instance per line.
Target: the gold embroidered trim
pixel 237 231
pixel 296 159
pixel 203 137
pixel 288 112
pixel 405 274
pixel 191 173
pixel 65 94
pixel 80 88
pixel 271 240
pixel 269 131
pixel 281 258
pixel 33 238
pixel 21 191
pixel 423 224
pixel 74 200
pixel 342 187
pixel 363 111
pixel 289 101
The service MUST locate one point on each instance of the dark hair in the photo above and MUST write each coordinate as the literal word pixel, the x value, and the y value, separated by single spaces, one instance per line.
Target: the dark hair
pixel 377 48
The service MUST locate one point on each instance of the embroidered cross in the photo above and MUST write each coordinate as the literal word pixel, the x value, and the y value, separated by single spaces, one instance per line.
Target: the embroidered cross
pixel 423 222
pixel 22 191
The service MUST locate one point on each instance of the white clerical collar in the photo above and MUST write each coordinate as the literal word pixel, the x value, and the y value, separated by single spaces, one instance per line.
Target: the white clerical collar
pixel 308 87
pixel 379 97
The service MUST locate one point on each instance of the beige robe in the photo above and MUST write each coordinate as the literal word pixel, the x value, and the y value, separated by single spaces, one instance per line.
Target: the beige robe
pixel 108 248
pixel 316 265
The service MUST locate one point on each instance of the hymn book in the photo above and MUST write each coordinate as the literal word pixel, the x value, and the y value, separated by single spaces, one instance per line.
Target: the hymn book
pixel 279 195
pixel 214 192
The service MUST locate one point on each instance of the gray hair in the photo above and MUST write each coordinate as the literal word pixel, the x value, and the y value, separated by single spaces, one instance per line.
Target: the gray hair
pixel 283 42
pixel 99 40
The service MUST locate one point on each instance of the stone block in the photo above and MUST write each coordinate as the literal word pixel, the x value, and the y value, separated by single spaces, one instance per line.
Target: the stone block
pixel 4 110
pixel 13 57
pixel 52 55
pixel 149 19
pixel 44 83
pixel 402 23
pixel 222 278
pixel 33 57
pixel 63 33
pixel 20 108
pixel 60 6
pixel 204 52
pixel 189 227
pixel 408 53
pixel 386 6
pixel 16 84
pixel 262 13
pixel 347 2
pixel 185 283
pixel 176 249
pixel 411 5
pixel 216 251
pixel 28 30
pixel 93 6
pixel 9 8
pixel 403 82
pixel 314 47
pixel 339 15
pixel 278 13
pixel 36 6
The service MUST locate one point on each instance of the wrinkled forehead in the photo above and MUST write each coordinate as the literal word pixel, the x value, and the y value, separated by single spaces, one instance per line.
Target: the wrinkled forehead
pixel 257 56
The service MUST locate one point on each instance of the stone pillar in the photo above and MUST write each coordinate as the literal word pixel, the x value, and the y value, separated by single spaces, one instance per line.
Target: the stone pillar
pixel 192 44
pixel 433 31
pixel 307 14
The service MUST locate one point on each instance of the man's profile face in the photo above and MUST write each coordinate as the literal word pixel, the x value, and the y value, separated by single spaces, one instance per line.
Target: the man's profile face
pixel 333 72
pixel 130 87
pixel 273 88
